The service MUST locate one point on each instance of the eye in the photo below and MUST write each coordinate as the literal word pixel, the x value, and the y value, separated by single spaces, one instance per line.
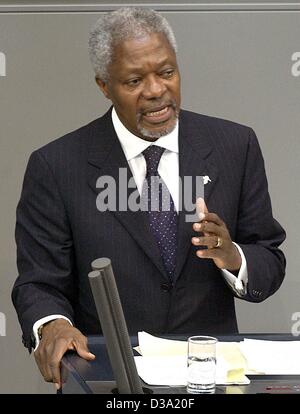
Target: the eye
pixel 133 82
pixel 167 74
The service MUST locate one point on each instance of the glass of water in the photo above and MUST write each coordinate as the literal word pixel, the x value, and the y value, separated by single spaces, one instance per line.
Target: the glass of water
pixel 201 371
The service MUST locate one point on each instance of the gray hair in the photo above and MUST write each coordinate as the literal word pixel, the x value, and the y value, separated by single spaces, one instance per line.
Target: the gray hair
pixel 123 24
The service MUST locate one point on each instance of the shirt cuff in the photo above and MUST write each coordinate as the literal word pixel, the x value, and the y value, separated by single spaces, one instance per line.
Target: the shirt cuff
pixel 41 322
pixel 238 283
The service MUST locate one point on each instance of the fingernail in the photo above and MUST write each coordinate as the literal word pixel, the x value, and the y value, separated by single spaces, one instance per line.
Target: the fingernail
pixel 197 226
pixel 201 216
pixel 57 386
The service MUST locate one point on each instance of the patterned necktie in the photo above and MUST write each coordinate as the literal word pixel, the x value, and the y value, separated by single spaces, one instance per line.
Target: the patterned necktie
pixel 161 210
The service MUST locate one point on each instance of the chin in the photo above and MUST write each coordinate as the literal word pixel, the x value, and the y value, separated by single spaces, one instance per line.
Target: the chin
pixel 156 133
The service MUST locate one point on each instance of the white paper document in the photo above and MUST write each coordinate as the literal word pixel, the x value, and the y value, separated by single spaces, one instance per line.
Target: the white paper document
pixel 162 370
pixel 172 370
pixel 164 362
pixel 271 357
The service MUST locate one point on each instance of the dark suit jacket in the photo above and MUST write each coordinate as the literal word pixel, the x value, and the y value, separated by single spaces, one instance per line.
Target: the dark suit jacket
pixel 60 231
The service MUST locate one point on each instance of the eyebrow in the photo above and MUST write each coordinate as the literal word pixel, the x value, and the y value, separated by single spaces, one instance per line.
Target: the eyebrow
pixel 163 62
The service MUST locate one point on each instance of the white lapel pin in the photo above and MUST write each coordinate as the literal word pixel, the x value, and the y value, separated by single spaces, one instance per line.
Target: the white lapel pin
pixel 206 179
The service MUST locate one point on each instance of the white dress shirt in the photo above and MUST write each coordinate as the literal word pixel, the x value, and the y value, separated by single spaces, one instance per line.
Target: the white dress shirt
pixel 168 169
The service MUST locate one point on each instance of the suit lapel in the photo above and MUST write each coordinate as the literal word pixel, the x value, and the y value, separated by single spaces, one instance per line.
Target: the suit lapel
pixel 106 158
pixel 195 159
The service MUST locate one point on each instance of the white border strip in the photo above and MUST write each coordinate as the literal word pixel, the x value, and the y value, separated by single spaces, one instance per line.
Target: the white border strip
pixel 90 8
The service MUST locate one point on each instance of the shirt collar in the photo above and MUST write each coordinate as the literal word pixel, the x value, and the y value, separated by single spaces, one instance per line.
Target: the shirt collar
pixel 133 145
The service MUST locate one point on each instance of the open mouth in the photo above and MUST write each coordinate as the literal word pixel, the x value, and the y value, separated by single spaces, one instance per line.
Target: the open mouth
pixel 158 115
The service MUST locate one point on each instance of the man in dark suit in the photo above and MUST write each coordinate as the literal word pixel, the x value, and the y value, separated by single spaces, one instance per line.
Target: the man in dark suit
pixel 173 276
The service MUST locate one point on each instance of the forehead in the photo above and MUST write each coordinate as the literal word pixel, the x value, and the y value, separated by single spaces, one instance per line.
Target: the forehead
pixel 138 54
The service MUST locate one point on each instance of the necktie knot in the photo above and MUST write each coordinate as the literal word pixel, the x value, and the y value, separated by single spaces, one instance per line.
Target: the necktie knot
pixel 152 156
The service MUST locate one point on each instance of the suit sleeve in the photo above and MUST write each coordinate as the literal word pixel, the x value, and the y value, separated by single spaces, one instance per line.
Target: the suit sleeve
pixel 258 233
pixel 45 257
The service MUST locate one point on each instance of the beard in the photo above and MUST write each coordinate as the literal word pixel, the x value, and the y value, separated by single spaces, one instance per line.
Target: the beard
pixel 153 135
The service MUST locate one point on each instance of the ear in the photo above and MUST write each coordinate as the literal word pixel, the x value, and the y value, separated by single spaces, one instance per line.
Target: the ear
pixel 103 87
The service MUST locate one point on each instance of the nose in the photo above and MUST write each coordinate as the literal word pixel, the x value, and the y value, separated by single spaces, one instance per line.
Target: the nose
pixel 154 87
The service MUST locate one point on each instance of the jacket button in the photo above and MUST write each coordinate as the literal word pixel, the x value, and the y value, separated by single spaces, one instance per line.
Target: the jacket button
pixel 166 287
